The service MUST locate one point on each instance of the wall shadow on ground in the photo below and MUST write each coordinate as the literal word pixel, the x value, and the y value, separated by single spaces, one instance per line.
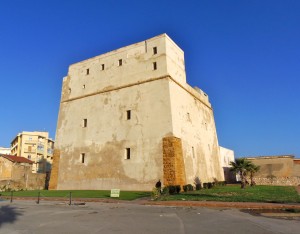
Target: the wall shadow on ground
pixel 8 214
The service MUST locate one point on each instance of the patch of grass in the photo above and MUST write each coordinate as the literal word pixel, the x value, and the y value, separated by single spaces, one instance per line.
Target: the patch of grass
pixel 259 193
pixel 124 195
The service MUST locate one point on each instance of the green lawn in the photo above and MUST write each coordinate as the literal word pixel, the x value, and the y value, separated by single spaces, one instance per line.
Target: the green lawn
pixel 230 193
pixel 233 193
pixel 124 195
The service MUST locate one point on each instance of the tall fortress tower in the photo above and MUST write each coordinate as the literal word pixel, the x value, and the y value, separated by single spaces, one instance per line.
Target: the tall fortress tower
pixel 128 118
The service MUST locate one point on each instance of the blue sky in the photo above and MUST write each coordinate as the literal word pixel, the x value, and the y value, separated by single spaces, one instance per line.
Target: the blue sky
pixel 244 53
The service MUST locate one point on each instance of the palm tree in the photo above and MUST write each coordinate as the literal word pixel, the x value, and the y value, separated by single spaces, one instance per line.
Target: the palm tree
pixel 252 168
pixel 240 166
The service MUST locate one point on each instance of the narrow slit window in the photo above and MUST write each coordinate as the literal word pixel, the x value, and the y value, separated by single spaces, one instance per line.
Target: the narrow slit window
pixel 83 86
pixel 154 66
pixel 82 157
pixel 88 71
pixel 84 123
pixel 154 50
pixel 128 114
pixel 120 62
pixel 127 153
pixel 102 67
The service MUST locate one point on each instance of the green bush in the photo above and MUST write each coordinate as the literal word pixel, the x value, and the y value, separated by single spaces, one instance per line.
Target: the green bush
pixel 178 188
pixel 172 189
pixel 198 186
pixel 187 187
pixel 155 193
pixel 209 185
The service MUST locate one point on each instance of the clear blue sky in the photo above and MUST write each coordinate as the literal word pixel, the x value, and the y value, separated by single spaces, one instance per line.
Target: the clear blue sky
pixel 244 54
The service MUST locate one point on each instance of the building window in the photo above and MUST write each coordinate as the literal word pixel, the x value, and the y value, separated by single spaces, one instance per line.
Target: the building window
pixel 69 90
pixel 84 123
pixel 154 66
pixel 83 86
pixel 120 62
pixel 82 157
pixel 88 71
pixel 127 153
pixel 154 50
pixel 29 156
pixel 128 114
pixel 102 67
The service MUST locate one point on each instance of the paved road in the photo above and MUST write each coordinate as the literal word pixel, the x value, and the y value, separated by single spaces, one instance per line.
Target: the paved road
pixel 54 217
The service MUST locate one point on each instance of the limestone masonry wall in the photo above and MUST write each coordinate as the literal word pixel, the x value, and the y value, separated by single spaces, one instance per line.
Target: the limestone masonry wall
pixel 54 170
pixel 173 164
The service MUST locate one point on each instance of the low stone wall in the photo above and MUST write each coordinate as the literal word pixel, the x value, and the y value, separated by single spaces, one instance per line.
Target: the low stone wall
pixel 281 181
pixel 30 181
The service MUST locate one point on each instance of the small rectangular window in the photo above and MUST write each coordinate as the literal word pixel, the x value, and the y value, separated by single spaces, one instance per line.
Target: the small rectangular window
pixel 127 152
pixel 82 157
pixel 120 62
pixel 83 86
pixel 154 50
pixel 88 71
pixel 102 67
pixel 128 114
pixel 84 123
pixel 154 66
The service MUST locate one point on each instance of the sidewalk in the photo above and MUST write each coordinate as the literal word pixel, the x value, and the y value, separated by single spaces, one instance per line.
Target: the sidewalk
pixel 149 202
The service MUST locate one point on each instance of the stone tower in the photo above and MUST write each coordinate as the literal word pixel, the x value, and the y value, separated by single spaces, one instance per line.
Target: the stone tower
pixel 128 118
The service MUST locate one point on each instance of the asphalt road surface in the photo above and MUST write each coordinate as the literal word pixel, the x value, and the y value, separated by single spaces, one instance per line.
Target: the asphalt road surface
pixel 54 217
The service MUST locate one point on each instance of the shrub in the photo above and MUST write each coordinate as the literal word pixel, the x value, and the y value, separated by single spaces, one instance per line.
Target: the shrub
pixel 198 186
pixel 178 188
pixel 172 189
pixel 155 193
pixel 165 191
pixel 187 187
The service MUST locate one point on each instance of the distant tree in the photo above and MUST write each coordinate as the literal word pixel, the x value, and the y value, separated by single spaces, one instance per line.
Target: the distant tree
pixel 252 169
pixel 241 167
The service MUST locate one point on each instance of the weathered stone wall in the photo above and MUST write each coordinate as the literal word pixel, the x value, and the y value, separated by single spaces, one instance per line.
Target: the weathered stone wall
pixel 280 181
pixel 277 170
pixel 279 166
pixel 5 168
pixel 173 164
pixel 193 122
pixel 296 168
pixel 54 170
pixel 23 179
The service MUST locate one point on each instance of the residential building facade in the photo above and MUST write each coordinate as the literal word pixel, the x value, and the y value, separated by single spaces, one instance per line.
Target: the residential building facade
pixel 227 156
pixel 35 146
pixel 128 118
